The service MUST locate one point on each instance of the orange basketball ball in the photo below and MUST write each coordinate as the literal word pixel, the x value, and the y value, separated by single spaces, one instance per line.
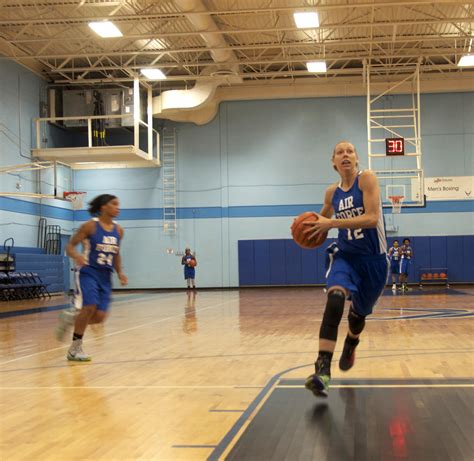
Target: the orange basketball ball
pixel 436 275
pixel 298 228
pixel 424 276
pixel 442 275
pixel 192 263
pixel 429 276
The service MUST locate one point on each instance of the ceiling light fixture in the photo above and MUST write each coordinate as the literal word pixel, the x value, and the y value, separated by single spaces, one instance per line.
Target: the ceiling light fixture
pixel 466 61
pixel 153 74
pixel 316 66
pixel 306 19
pixel 105 29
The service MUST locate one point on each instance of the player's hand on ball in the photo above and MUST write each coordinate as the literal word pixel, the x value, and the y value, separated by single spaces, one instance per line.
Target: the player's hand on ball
pixel 123 279
pixel 315 228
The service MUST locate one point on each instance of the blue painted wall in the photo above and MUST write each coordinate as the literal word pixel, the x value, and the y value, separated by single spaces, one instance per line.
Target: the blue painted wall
pixel 20 92
pixel 255 166
pixel 244 176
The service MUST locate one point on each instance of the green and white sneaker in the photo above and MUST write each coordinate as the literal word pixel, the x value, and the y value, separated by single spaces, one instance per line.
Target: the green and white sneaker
pixel 66 321
pixel 76 354
pixel 318 384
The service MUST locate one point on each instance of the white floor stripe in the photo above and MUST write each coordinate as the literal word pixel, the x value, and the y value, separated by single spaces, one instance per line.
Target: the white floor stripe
pixel 224 303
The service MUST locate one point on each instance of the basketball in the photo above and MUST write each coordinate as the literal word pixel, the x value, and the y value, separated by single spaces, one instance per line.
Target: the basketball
pixel 442 275
pixel 429 275
pixel 435 275
pixel 192 263
pixel 424 276
pixel 298 228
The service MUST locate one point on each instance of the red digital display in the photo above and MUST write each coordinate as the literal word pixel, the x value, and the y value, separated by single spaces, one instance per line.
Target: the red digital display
pixel 394 146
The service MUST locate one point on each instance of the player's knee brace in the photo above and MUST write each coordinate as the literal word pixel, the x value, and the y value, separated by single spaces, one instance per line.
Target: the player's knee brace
pixel 332 315
pixel 356 322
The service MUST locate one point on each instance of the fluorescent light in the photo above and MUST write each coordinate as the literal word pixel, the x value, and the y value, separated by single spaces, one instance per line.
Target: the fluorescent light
pixel 306 19
pixel 153 74
pixel 316 66
pixel 466 61
pixel 105 29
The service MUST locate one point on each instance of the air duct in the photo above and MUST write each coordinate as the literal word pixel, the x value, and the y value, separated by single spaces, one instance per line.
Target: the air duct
pixel 186 105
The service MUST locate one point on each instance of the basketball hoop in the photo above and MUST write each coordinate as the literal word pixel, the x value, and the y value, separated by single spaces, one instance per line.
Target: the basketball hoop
pixel 76 199
pixel 397 201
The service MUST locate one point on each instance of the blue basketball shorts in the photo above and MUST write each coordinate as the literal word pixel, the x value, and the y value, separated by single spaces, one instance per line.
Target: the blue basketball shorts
pixel 189 272
pixel 364 277
pixel 93 288
pixel 395 267
pixel 405 266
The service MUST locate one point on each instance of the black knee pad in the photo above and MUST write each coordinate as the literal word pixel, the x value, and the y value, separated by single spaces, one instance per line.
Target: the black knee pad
pixel 332 315
pixel 356 322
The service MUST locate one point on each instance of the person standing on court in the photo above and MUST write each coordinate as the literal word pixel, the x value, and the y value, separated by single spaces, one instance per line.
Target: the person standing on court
pixel 394 253
pixel 406 257
pixel 100 238
pixel 189 262
pixel 358 263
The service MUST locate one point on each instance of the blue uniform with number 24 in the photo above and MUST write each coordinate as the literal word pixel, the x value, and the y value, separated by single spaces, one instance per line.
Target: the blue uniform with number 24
pixel 94 280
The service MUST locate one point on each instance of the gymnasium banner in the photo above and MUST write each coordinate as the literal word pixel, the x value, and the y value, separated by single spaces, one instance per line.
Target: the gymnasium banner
pixel 450 188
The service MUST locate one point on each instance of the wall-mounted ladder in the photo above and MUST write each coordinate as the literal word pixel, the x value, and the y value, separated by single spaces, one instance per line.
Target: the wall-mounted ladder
pixel 168 171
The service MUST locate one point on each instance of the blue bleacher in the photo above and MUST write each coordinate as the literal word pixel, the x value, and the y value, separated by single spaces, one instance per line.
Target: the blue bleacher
pixel 49 267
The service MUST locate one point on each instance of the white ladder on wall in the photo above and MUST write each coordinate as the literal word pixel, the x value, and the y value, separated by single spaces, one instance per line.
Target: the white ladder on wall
pixel 168 170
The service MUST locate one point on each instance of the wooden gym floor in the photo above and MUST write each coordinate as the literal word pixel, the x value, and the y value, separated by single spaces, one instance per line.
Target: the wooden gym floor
pixel 219 374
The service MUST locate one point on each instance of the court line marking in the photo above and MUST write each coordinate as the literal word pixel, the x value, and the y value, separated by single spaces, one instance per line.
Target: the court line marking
pixel 55 307
pixel 278 386
pixel 381 354
pixel 235 432
pixel 119 331
pixel 193 446
pixel 226 411
pixel 371 386
pixel 118 387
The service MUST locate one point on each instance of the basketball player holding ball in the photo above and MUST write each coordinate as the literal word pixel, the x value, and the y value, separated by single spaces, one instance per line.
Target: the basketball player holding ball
pixel 189 262
pixel 357 264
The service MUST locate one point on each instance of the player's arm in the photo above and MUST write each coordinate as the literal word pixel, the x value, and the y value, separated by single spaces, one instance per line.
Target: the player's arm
pixel 327 210
pixel 118 261
pixel 183 260
pixel 84 232
pixel 326 213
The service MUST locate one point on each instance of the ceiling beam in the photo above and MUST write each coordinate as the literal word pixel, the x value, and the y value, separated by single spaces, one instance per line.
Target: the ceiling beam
pixel 242 11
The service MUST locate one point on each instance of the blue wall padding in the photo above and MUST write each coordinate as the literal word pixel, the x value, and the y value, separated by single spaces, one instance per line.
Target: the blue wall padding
pixel 282 262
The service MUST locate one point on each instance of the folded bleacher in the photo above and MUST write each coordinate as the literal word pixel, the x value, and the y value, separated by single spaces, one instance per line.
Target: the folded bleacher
pixel 27 273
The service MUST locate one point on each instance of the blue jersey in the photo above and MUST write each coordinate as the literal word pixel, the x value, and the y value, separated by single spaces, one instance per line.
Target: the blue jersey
pixel 101 247
pixel 357 241
pixel 394 253
pixel 189 272
pixel 406 252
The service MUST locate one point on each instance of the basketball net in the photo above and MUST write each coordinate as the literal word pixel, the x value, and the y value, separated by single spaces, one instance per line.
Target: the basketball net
pixel 397 201
pixel 76 199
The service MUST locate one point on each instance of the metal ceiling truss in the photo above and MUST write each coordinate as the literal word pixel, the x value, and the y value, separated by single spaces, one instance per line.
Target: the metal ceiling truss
pixel 53 39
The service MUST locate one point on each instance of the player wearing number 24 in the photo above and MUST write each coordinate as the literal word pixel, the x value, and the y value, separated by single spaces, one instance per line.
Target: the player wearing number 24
pixel 100 238
pixel 357 263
